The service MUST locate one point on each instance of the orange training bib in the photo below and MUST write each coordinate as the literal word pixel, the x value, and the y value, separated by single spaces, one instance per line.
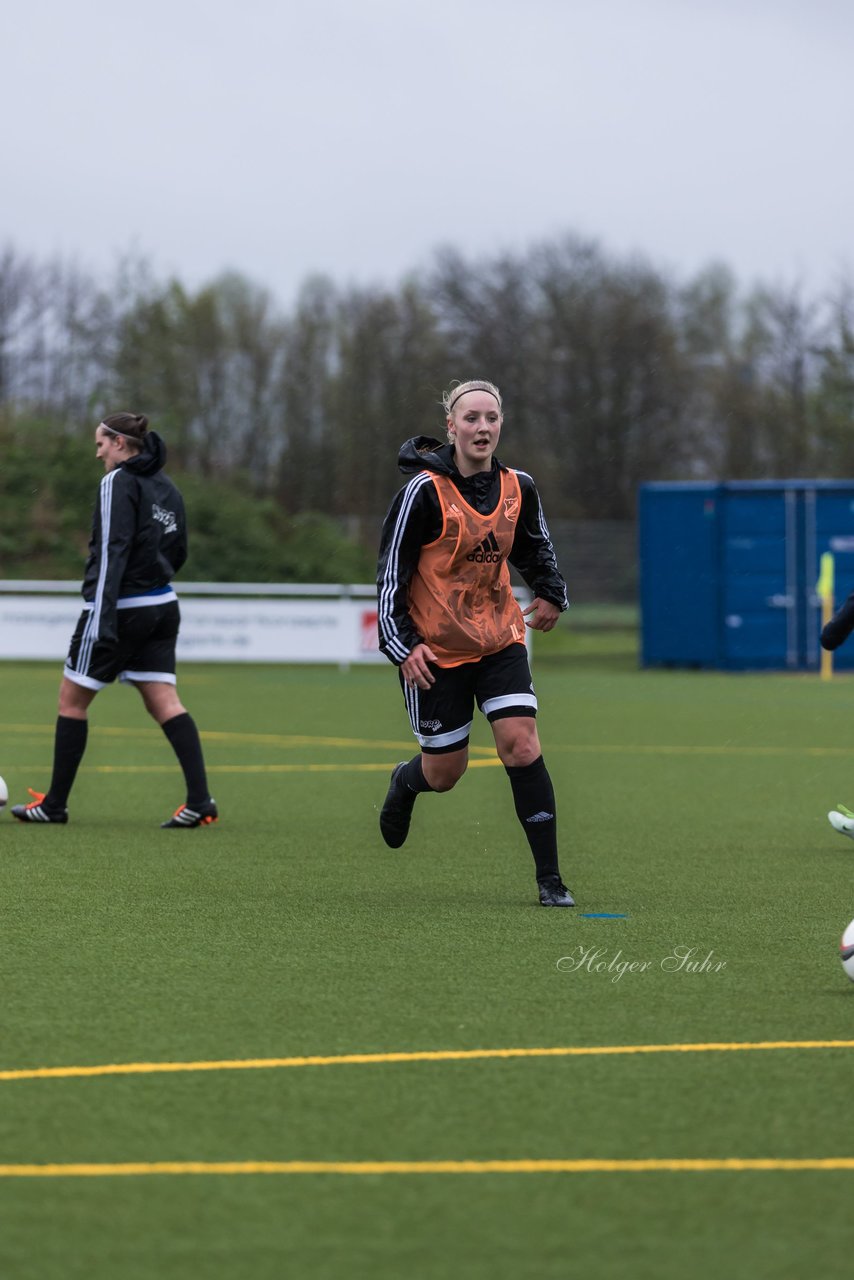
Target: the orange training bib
pixel 460 597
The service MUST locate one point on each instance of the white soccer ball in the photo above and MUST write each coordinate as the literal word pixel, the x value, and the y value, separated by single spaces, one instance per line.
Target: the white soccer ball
pixel 846 951
pixel 4 793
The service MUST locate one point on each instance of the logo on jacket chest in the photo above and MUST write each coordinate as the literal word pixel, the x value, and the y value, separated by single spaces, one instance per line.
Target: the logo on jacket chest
pixel 166 518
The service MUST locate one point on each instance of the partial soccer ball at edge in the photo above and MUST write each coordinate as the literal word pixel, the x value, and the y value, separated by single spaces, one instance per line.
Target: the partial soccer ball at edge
pixel 846 951
pixel 4 793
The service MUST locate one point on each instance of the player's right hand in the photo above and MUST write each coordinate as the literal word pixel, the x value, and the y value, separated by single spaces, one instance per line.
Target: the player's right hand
pixel 415 671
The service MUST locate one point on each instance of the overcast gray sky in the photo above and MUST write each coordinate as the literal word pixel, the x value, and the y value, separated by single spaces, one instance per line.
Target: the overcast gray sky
pixel 283 139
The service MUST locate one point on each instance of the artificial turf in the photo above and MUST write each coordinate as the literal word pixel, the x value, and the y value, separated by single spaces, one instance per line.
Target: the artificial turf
pixel 692 816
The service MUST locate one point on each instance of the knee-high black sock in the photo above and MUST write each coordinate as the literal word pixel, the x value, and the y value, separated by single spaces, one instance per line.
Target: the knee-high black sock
pixel 184 738
pixel 534 798
pixel 69 744
pixel 413 776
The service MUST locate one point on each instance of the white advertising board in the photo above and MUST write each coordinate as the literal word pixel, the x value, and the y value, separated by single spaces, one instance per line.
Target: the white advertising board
pixel 222 630
pixel 37 627
pixel 278 631
pixel 233 622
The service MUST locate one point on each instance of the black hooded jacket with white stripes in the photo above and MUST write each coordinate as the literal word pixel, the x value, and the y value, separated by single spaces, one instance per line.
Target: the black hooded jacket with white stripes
pixel 414 519
pixel 139 534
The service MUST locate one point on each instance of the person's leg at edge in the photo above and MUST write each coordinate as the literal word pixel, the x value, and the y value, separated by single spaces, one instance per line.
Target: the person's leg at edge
pixel 164 705
pixel 519 750
pixel 69 743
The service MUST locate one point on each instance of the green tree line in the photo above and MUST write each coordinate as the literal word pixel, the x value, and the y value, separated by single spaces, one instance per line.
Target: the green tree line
pixel 614 372
pixel 49 487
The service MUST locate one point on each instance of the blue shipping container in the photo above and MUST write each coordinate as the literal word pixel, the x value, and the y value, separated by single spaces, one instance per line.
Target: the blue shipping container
pixel 728 572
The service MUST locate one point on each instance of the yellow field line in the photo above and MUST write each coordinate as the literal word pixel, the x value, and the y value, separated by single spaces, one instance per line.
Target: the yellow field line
pixel 361 1167
pixel 599 748
pixel 257 739
pixel 384 767
pixel 215 735
pixel 425 1055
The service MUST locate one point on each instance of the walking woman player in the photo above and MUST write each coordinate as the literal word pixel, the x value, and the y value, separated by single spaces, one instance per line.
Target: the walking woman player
pixel 130 619
pixel 449 621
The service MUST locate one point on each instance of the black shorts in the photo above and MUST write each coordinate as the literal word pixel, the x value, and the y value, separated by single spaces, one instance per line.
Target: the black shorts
pixel 500 684
pixel 145 649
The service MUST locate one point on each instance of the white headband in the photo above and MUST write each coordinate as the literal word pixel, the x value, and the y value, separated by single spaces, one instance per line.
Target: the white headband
pixel 114 432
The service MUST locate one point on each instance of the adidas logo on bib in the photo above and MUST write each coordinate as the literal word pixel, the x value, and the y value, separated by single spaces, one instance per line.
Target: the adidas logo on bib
pixel 487 553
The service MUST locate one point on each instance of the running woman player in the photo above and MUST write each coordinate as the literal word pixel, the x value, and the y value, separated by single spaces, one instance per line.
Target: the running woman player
pixel 129 624
pixel 449 621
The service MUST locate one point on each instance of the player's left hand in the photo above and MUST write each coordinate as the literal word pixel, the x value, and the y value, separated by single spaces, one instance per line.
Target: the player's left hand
pixel 545 614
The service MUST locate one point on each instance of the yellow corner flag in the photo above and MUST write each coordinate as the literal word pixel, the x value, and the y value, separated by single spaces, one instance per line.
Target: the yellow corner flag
pixel 824 589
pixel 825 585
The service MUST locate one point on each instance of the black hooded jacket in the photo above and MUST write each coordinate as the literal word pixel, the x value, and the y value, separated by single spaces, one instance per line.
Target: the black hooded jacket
pixel 414 519
pixel 139 534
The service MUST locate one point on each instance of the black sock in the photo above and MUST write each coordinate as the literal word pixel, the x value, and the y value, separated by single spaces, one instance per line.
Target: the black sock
pixel 413 776
pixel 69 743
pixel 184 737
pixel 534 798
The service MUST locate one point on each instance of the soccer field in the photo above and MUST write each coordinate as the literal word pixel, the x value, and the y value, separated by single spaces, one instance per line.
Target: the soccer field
pixel 276 1047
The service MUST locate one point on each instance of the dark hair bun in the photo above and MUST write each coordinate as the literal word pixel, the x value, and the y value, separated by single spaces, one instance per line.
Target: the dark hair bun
pixel 142 423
